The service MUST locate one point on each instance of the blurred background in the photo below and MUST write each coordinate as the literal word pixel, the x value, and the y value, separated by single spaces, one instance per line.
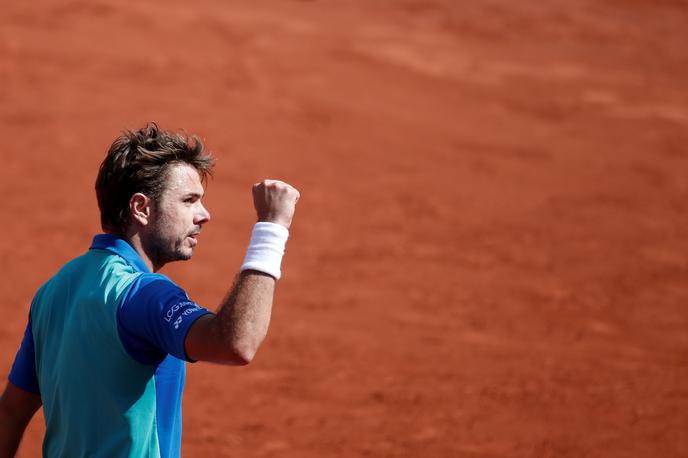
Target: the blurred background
pixel 490 256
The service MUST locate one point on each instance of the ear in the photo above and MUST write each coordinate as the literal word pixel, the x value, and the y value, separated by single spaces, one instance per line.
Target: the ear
pixel 140 208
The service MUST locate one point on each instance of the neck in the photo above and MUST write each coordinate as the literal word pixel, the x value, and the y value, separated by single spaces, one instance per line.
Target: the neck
pixel 135 240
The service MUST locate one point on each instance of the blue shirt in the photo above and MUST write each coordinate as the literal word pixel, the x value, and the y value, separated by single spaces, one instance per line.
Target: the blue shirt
pixel 104 347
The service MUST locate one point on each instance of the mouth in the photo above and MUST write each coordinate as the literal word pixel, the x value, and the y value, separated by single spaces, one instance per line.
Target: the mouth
pixel 193 237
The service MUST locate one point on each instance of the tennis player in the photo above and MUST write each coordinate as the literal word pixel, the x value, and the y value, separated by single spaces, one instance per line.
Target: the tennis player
pixel 108 337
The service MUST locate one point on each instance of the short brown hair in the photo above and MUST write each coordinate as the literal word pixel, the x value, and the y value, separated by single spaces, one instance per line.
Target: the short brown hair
pixel 138 161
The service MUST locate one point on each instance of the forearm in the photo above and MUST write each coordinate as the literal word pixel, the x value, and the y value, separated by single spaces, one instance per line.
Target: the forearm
pixel 10 435
pixel 233 335
pixel 17 407
pixel 244 315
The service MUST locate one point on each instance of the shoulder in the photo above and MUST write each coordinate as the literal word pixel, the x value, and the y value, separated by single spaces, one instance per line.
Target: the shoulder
pixel 62 282
pixel 107 270
pixel 152 285
pixel 154 294
pixel 154 318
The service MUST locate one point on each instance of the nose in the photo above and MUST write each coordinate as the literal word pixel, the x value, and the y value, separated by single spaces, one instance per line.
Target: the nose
pixel 203 215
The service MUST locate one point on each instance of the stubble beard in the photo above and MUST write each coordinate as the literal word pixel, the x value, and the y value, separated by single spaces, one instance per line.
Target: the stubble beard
pixel 162 248
pixel 163 251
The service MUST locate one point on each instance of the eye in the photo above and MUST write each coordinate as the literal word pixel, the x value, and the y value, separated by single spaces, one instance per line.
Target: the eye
pixel 192 198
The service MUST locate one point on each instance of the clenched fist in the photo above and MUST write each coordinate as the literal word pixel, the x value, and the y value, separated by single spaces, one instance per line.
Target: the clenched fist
pixel 275 201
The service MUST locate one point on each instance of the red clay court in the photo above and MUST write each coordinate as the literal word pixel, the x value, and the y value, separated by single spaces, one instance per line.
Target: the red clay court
pixel 490 256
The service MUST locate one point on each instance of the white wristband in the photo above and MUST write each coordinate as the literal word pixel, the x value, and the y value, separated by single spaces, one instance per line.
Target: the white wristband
pixel 266 249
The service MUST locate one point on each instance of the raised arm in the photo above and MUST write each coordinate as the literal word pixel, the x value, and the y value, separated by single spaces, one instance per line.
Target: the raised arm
pixel 233 335
pixel 17 407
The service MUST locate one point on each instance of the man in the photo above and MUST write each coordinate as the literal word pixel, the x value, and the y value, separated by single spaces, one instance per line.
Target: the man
pixel 105 347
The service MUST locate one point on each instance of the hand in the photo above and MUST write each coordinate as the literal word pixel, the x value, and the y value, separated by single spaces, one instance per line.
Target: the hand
pixel 275 201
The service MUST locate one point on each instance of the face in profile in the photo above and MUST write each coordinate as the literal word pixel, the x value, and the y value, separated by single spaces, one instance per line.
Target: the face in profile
pixel 177 218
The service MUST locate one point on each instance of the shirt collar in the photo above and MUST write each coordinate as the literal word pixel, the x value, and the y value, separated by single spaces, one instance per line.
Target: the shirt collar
pixel 120 247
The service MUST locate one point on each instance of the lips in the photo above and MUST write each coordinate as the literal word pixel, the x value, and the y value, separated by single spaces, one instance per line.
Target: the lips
pixel 193 236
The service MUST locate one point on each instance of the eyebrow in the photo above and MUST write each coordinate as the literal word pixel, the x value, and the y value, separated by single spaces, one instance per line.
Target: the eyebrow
pixel 193 194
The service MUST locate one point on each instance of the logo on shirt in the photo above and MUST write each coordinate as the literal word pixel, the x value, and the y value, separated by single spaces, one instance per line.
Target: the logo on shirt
pixel 188 307
pixel 177 322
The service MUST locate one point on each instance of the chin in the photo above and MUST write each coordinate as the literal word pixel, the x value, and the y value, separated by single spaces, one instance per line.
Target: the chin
pixel 184 255
pixel 178 254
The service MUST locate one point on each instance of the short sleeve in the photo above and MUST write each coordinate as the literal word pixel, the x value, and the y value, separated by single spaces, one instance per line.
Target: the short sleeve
pixel 154 318
pixel 23 373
